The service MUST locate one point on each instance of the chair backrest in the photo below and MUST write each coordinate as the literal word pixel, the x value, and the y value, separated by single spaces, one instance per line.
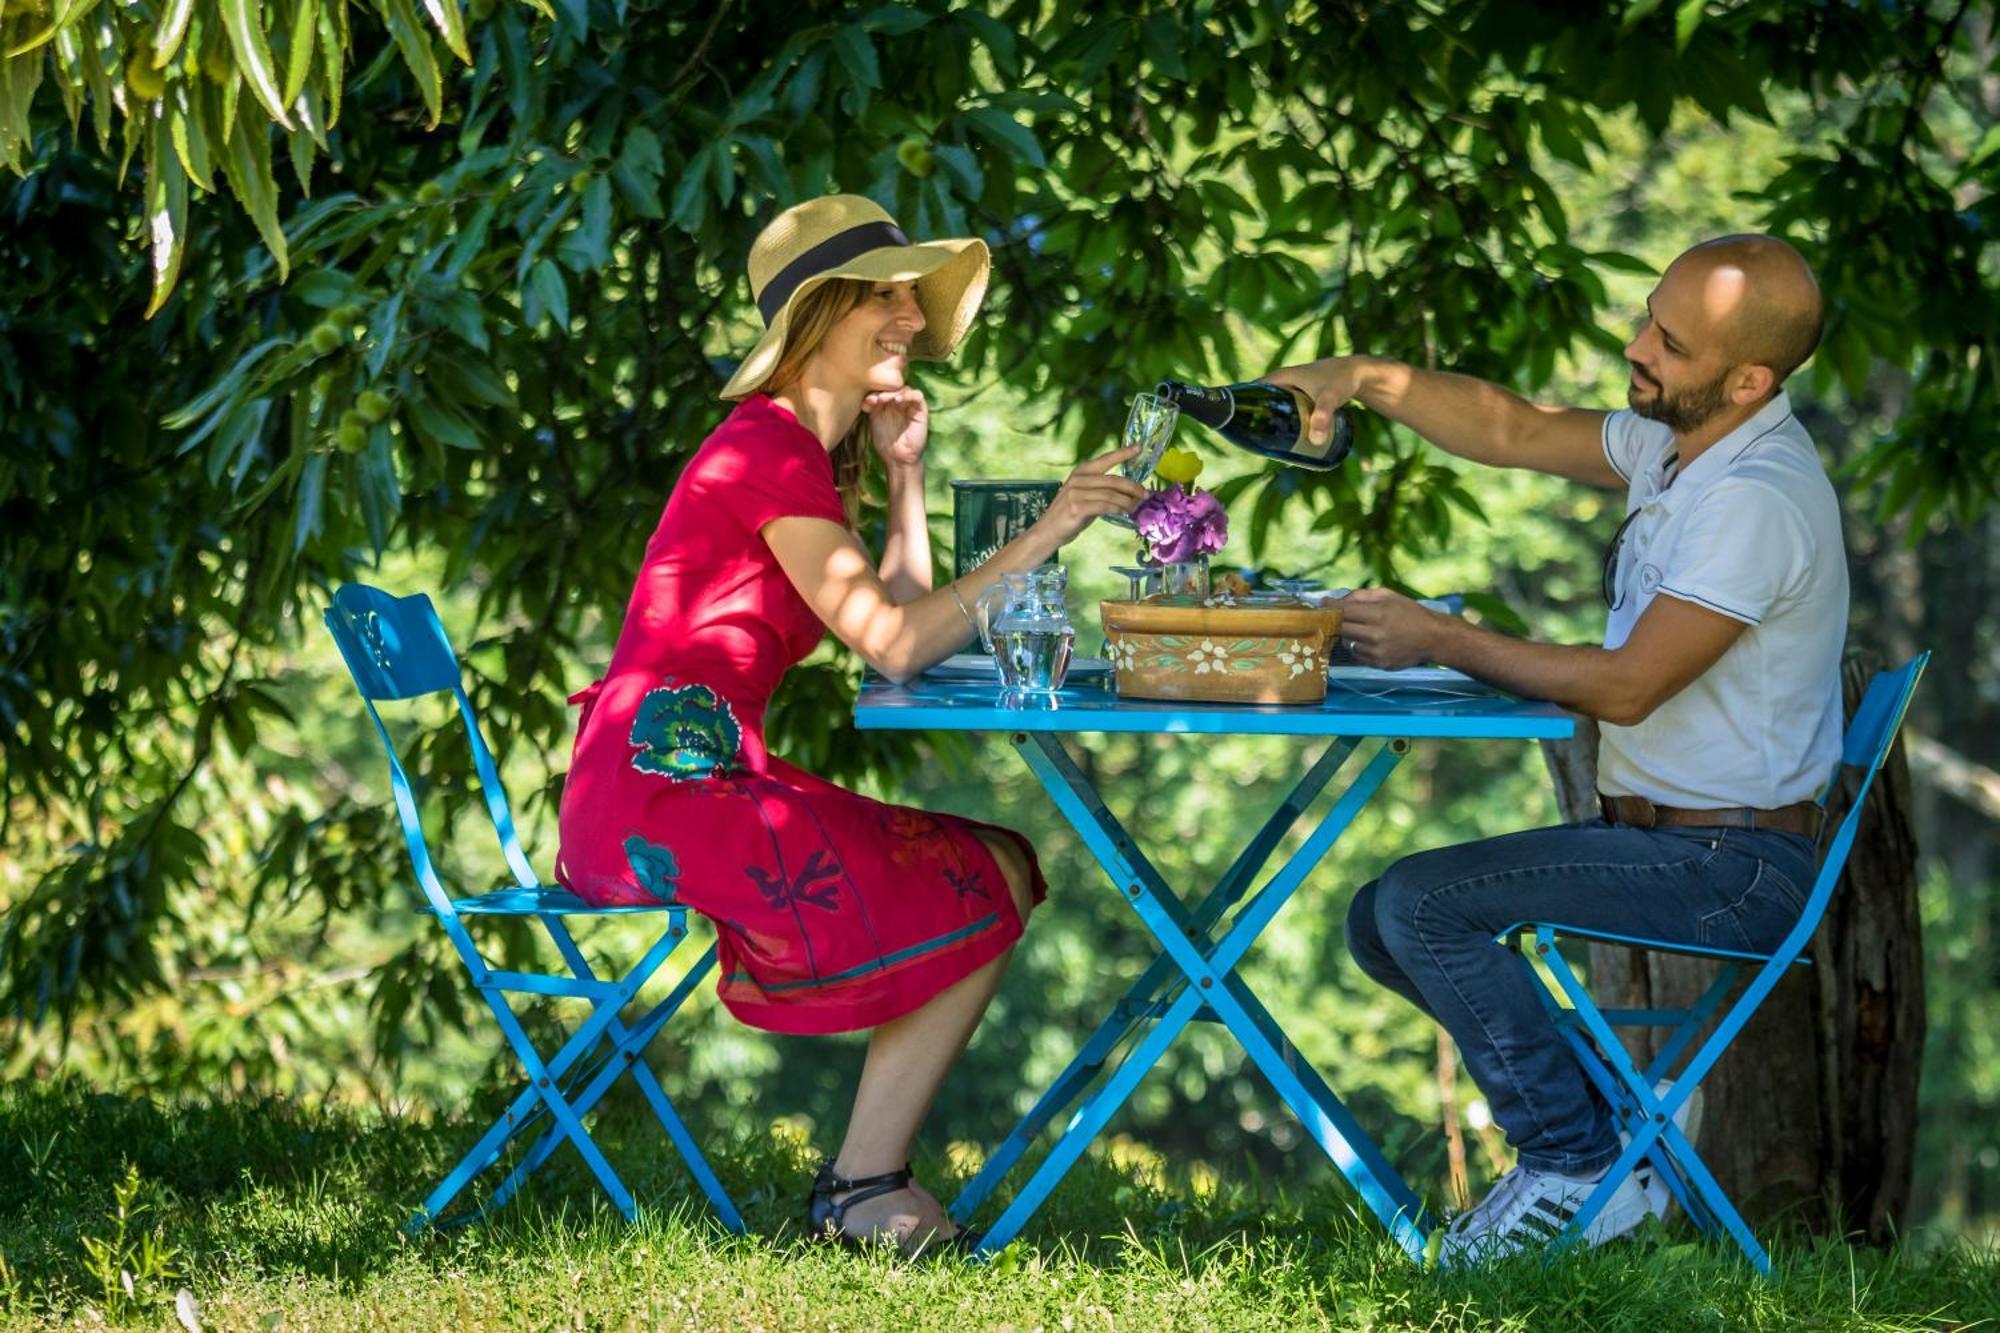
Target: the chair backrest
pixel 1865 748
pixel 396 648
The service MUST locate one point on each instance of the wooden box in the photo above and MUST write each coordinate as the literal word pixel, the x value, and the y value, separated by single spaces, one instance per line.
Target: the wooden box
pixel 1258 650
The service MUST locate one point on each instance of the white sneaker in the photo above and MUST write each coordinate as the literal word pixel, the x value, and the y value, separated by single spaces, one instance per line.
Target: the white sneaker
pixel 1688 1121
pixel 1529 1208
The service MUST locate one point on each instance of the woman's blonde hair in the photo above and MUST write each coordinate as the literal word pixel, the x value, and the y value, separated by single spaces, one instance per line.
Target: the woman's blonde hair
pixel 813 317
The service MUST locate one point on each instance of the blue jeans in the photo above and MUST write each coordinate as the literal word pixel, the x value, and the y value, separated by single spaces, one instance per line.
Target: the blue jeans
pixel 1426 930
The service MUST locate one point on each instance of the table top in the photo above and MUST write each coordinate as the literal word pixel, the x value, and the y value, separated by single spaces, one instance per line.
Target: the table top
pixel 927 704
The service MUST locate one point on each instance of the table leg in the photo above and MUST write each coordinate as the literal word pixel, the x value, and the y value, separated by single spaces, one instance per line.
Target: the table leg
pixel 1187 950
pixel 1144 999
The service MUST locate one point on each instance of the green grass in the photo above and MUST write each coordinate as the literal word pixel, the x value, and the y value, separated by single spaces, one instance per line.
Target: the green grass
pixel 273 1216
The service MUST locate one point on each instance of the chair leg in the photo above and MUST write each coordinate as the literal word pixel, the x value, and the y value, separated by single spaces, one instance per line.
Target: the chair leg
pixel 544 1079
pixel 1655 1112
pixel 627 1051
pixel 565 1115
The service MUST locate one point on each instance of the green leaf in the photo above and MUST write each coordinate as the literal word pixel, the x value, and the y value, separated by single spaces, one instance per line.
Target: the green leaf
pixel 637 172
pixel 172 28
pixel 443 425
pixel 471 239
pixel 246 164
pixel 690 199
pixel 998 39
pixel 210 398
pixel 857 56
pixel 322 287
pixel 1007 133
pixel 451 26
pixel 1638 12
pixel 189 138
pixel 382 331
pixel 962 165
pixel 546 283
pixel 1686 19
pixel 474 380
pixel 412 41
pixel 298 60
pixel 1160 36
pixel 166 212
pixel 67 15
pixel 306 521
pixel 300 148
pixel 595 234
pixel 18 81
pixel 1496 612
pixel 243 19
pixel 895 20
pixel 461 313
pixel 332 50
pixel 1622 263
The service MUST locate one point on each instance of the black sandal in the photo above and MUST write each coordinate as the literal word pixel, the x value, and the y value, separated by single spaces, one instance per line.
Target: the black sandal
pixel 825 1219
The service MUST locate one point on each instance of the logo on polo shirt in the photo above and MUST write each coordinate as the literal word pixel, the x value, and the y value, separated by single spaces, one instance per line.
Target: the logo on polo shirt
pixel 1650 578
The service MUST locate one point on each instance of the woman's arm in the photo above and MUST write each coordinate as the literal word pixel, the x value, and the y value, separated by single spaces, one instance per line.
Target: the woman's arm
pixel 906 551
pixel 830 569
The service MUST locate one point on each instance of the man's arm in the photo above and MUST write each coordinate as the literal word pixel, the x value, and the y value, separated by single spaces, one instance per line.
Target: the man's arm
pixel 1672 644
pixel 1464 416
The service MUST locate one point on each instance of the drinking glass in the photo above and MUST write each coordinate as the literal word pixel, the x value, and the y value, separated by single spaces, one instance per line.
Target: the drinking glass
pixel 1141 580
pixel 1149 428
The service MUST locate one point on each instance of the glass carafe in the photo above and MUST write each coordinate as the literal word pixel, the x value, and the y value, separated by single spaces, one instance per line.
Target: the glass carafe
pixel 1024 619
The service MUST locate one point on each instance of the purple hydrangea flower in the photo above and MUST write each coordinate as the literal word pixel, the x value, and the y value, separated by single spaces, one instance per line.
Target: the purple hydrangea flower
pixel 1208 522
pixel 1177 526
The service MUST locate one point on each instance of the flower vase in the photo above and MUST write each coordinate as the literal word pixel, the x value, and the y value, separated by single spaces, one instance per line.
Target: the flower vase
pixel 1185 578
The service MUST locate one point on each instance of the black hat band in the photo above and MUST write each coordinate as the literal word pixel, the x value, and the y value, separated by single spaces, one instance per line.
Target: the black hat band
pixel 830 253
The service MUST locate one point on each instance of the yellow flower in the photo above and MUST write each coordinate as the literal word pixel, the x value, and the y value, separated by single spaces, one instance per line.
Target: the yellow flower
pixel 1178 465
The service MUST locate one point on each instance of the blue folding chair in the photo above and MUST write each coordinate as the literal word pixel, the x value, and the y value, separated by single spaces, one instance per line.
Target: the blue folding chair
pixel 1645 1114
pixel 395 648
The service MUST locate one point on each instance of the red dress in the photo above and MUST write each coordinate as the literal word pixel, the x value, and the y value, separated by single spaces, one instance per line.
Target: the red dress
pixel 834 911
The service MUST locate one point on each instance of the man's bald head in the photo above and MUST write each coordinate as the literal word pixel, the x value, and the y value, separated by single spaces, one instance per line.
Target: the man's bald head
pixel 1761 298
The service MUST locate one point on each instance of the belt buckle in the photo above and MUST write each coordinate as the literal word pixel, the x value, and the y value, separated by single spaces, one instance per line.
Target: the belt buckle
pixel 1645 815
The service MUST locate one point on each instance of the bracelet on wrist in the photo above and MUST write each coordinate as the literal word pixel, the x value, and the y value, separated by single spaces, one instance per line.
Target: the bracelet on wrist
pixel 956 596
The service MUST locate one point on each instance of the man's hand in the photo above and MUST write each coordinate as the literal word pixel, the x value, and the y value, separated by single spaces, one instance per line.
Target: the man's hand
pixel 1329 383
pixel 899 422
pixel 1387 629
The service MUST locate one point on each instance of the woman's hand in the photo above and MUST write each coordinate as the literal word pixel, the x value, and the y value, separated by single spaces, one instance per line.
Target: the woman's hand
pixel 1091 492
pixel 899 421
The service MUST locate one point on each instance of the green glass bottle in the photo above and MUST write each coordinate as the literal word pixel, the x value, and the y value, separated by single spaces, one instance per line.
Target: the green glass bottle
pixel 1265 419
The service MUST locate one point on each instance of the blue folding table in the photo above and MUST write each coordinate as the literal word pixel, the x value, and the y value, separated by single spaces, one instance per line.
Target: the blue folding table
pixel 1194 975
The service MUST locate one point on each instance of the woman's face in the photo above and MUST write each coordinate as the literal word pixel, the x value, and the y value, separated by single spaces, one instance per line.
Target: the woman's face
pixel 870 345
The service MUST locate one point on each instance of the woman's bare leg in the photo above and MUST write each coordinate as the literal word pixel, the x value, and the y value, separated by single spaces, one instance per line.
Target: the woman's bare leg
pixel 907 1061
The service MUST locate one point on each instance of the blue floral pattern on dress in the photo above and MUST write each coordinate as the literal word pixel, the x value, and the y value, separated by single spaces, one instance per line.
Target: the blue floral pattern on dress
pixel 685 732
pixel 654 868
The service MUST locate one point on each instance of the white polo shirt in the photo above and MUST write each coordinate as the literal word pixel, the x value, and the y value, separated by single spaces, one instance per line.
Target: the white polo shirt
pixel 1750 529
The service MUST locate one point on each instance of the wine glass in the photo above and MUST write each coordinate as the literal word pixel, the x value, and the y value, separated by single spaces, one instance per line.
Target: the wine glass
pixel 1141 580
pixel 1149 428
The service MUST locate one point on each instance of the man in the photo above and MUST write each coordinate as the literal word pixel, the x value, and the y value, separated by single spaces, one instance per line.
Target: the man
pixel 1718 691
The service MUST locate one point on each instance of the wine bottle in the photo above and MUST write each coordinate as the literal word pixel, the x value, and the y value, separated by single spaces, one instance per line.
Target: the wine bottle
pixel 1265 419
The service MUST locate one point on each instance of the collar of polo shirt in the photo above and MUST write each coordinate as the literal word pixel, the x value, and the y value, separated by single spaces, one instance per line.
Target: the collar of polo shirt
pixel 1715 460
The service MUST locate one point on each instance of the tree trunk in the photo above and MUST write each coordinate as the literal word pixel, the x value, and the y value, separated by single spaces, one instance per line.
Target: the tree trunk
pixel 1812 1114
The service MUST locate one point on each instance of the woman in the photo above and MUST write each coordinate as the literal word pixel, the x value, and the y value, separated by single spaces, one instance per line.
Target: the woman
pixel 834 912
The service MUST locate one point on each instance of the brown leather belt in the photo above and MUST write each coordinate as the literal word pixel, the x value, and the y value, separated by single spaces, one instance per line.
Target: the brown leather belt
pixel 1802 817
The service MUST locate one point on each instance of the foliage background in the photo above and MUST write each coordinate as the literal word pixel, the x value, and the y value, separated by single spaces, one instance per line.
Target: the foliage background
pixel 490 342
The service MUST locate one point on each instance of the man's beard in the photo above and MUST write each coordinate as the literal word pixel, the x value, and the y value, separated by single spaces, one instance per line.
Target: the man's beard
pixel 1690 409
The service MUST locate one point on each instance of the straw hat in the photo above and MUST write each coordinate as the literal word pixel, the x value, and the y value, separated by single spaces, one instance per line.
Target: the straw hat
pixel 847 236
